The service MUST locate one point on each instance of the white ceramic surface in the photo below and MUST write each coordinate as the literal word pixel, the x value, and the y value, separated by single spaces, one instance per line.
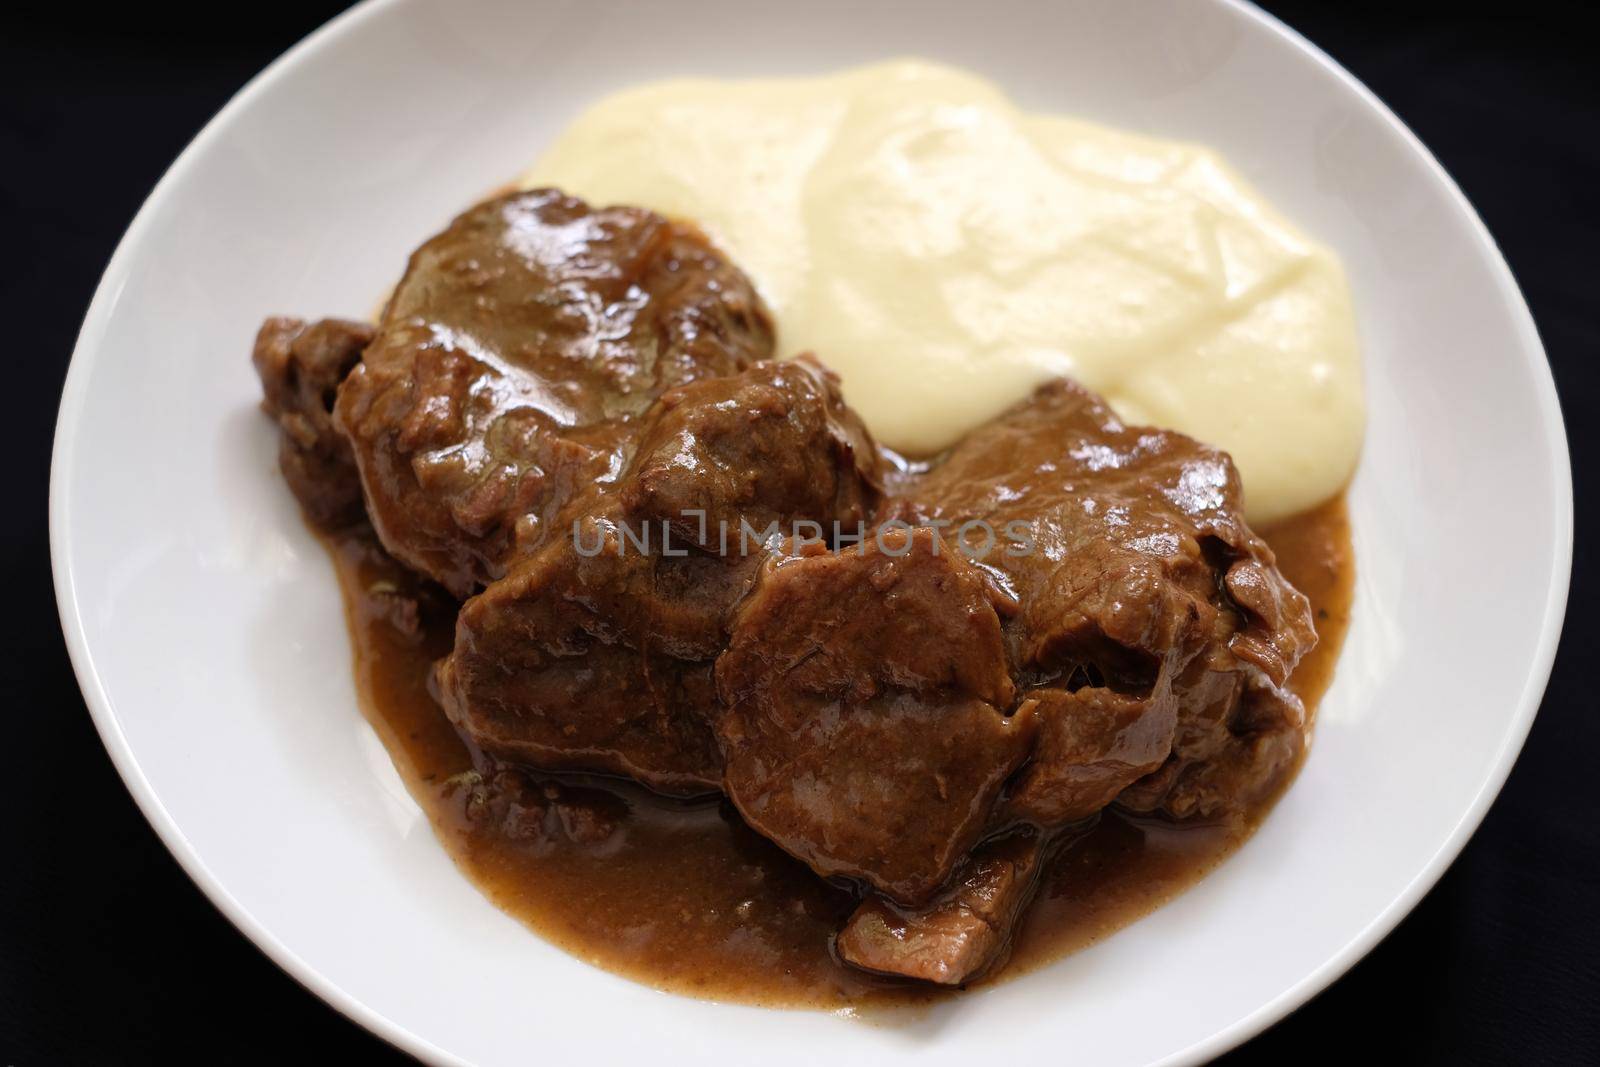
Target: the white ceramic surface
pixel 205 627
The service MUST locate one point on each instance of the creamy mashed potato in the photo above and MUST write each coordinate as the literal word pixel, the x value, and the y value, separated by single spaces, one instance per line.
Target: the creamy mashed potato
pixel 945 252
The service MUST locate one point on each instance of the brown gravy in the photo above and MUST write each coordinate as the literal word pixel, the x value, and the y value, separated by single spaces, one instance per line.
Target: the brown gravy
pixel 688 899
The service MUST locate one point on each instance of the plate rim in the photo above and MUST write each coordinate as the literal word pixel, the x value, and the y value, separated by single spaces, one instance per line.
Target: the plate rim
pixel 1229 1036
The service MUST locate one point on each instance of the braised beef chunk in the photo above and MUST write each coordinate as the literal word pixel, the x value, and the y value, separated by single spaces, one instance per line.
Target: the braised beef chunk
pixel 513 354
pixel 596 652
pixel 1150 637
pixel 964 933
pixel 773 445
pixel 301 366
pixel 577 661
pixel 865 694
pixel 1137 580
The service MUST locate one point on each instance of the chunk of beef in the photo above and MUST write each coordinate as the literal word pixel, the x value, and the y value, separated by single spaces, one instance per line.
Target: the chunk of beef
pixel 1141 593
pixel 961 935
pixel 865 693
pixel 514 352
pixel 595 655
pixel 1150 638
pixel 301 366
pixel 596 652
pixel 764 449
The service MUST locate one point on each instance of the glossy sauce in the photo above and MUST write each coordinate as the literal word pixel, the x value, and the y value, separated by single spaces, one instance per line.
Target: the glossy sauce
pixel 685 898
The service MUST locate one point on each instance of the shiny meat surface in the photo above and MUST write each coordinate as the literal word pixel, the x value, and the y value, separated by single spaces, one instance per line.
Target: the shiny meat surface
pixel 510 359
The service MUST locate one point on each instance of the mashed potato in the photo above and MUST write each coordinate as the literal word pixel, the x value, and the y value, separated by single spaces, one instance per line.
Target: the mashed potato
pixel 945 252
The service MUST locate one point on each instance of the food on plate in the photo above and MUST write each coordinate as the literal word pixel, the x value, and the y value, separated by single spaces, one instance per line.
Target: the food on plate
pixel 696 672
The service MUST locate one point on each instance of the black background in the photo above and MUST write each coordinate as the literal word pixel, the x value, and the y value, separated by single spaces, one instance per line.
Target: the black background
pixel 110 955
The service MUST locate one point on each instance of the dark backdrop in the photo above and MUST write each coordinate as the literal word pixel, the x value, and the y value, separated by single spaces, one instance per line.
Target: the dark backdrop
pixel 110 955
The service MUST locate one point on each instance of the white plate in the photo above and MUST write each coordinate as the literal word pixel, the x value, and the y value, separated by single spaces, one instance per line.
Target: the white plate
pixel 205 627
